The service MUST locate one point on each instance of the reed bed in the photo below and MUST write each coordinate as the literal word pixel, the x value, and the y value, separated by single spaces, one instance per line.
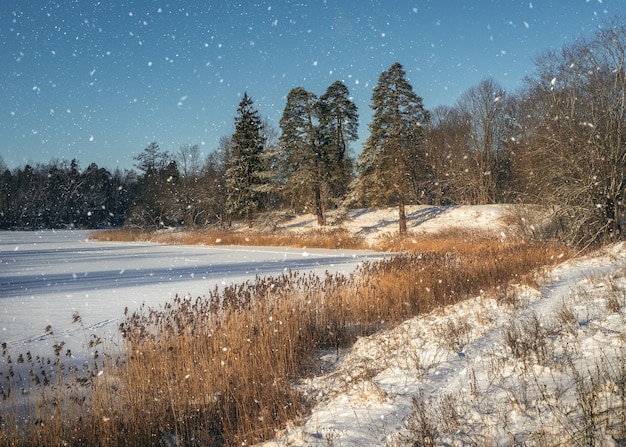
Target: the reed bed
pixel 332 239
pixel 220 370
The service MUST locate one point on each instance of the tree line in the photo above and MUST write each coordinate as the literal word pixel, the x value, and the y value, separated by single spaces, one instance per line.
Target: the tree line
pixel 560 142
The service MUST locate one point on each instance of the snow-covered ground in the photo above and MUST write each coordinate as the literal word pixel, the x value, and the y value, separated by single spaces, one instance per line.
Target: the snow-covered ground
pixel 373 224
pixel 485 371
pixel 47 276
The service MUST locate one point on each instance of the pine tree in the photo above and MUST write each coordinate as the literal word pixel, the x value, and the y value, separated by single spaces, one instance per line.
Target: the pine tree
pixel 390 162
pixel 338 126
pixel 245 164
pixel 315 162
pixel 152 159
pixel 303 162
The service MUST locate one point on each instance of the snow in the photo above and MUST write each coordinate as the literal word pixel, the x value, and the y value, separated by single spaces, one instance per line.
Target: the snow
pixel 457 364
pixel 422 219
pixel 46 276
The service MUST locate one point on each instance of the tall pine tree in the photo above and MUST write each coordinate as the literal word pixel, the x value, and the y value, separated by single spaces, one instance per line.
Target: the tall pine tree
pixel 389 164
pixel 303 160
pixel 245 163
pixel 156 207
pixel 338 126
pixel 314 142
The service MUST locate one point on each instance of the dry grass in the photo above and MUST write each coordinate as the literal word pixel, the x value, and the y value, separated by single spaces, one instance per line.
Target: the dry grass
pixel 220 370
pixel 459 241
pixel 331 239
pixel 121 235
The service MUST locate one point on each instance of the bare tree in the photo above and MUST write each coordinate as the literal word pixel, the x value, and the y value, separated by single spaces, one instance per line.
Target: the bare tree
pixel 576 129
pixel 483 107
pixel 212 193
pixel 189 159
pixel 190 165
pixel 446 137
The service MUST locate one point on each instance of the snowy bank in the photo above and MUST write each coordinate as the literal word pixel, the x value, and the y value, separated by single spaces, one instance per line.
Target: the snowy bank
pixel 544 367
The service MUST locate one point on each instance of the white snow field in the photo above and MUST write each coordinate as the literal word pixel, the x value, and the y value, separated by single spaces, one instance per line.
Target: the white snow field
pixel 47 276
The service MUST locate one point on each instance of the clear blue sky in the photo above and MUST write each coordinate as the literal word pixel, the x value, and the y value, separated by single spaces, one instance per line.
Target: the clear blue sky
pixel 99 80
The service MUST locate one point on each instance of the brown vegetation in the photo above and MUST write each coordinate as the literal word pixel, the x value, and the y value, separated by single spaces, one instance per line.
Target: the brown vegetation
pixel 331 239
pixel 220 370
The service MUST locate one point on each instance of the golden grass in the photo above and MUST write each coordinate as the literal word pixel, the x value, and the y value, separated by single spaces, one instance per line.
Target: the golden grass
pixel 331 239
pixel 220 370
pixel 456 240
pixel 120 235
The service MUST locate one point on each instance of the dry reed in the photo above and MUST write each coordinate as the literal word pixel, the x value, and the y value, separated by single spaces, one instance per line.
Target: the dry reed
pixel 220 370
pixel 331 239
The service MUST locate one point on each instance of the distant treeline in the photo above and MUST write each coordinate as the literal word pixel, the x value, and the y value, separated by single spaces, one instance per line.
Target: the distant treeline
pixel 559 142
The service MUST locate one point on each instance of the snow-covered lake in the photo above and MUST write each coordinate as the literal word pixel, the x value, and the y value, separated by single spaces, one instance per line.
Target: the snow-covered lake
pixel 47 276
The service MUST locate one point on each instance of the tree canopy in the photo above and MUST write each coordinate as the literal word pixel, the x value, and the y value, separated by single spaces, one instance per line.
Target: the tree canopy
pixel 246 162
pixel 392 162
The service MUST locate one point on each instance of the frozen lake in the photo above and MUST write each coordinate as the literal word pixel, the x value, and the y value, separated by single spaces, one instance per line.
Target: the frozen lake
pixel 47 276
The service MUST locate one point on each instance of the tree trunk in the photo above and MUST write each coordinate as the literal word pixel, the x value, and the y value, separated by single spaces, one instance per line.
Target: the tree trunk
pixel 320 211
pixel 614 217
pixel 402 216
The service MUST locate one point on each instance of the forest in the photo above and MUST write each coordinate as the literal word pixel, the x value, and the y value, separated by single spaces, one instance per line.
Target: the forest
pixel 558 142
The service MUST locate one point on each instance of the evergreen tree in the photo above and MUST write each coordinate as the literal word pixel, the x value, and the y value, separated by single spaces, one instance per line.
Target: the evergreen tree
pixel 94 192
pixel 6 179
pixel 389 166
pixel 156 196
pixel 152 159
pixel 338 126
pixel 314 162
pixel 58 195
pixel 304 160
pixel 245 164
pixel 270 176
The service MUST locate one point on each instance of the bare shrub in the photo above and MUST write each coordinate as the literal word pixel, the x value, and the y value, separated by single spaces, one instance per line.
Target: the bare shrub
pixel 453 333
pixel 583 188
pixel 507 295
pixel 566 317
pixel 528 341
pixel 616 371
pixel 420 424
pixel 530 222
pixel 588 389
pixel 616 297
pixel 449 414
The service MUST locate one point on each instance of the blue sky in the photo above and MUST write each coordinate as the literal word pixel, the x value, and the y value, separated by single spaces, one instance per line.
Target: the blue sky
pixel 99 80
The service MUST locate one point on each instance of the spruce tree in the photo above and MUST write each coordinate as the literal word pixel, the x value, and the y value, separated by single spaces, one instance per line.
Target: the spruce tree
pixel 389 164
pixel 245 163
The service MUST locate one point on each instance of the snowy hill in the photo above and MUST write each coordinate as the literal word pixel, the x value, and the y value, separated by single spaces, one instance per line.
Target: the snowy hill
pixel 545 366
pixel 373 224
